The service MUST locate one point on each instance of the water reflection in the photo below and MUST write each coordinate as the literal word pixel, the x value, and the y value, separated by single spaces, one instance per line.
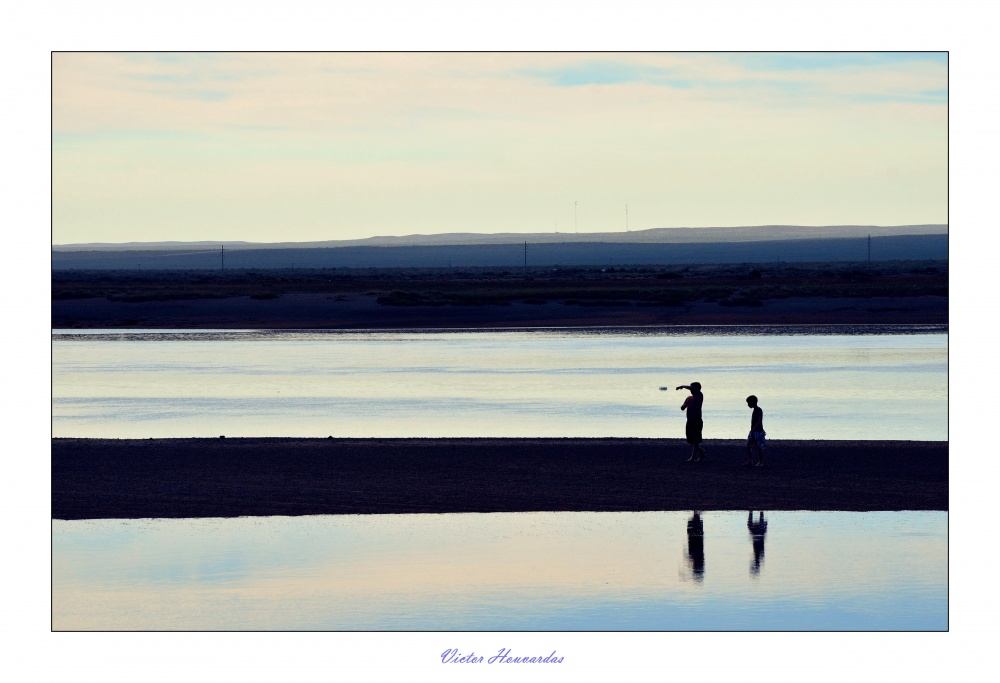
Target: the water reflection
pixel 696 546
pixel 757 531
pixel 502 571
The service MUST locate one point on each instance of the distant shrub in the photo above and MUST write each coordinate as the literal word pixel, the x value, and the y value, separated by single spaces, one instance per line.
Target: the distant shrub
pixel 670 301
pixel 73 294
pixel 401 298
pixel 477 300
pixel 597 302
pixel 663 301
pixel 741 301
pixel 854 275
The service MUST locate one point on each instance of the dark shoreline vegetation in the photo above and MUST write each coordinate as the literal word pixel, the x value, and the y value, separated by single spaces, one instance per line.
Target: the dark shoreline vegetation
pixel 169 478
pixel 746 284
pixel 901 291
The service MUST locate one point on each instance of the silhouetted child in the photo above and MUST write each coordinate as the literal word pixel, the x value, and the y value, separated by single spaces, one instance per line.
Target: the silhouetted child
pixel 756 437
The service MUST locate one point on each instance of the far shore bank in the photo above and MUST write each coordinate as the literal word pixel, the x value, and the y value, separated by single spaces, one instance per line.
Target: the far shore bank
pixel 149 478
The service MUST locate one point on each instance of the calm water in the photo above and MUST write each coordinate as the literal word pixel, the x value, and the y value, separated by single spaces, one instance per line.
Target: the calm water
pixel 814 382
pixel 523 571
pixel 507 571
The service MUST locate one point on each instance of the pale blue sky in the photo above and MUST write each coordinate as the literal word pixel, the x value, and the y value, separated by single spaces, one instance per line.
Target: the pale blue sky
pixel 312 146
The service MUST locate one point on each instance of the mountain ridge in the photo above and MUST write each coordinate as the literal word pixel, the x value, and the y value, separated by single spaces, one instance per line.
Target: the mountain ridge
pixel 757 233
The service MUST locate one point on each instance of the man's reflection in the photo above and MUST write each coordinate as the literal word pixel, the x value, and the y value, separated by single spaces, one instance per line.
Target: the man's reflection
pixel 757 531
pixel 696 546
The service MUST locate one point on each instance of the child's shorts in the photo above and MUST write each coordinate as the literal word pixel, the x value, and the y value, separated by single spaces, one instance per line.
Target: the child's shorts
pixel 757 439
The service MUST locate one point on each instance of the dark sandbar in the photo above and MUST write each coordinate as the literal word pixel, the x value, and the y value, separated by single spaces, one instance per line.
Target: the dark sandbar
pixel 123 478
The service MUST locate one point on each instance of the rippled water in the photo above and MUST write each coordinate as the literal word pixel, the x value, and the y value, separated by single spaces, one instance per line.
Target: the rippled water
pixel 505 571
pixel 814 382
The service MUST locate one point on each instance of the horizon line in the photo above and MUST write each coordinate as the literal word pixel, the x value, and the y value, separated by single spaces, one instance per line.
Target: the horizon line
pixel 500 234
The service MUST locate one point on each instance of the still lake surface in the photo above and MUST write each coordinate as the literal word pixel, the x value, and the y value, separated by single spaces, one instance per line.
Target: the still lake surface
pixel 814 382
pixel 520 571
pixel 553 571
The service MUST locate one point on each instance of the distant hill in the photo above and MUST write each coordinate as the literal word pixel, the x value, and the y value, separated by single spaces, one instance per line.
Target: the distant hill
pixel 516 254
pixel 756 233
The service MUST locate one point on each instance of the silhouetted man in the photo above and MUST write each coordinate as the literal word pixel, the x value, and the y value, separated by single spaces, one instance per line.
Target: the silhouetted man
pixel 696 546
pixel 692 430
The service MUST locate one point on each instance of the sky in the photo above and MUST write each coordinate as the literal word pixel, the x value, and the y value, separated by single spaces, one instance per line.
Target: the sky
pixel 266 147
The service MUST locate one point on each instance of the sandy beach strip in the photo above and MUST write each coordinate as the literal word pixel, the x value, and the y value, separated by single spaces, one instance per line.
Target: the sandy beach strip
pixel 232 477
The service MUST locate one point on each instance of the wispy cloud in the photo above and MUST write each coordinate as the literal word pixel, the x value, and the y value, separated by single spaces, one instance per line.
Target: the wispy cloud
pixel 184 76
pixel 68 139
pixel 809 61
pixel 606 73
pixel 768 79
pixel 932 97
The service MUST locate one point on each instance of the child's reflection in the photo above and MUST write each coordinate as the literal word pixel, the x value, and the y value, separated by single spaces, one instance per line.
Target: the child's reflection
pixel 757 531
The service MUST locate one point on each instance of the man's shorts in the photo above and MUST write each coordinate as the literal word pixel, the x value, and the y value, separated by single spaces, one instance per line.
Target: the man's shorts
pixel 693 431
pixel 757 439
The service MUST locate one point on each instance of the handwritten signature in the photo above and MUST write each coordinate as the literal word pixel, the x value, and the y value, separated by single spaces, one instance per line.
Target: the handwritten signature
pixel 453 656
